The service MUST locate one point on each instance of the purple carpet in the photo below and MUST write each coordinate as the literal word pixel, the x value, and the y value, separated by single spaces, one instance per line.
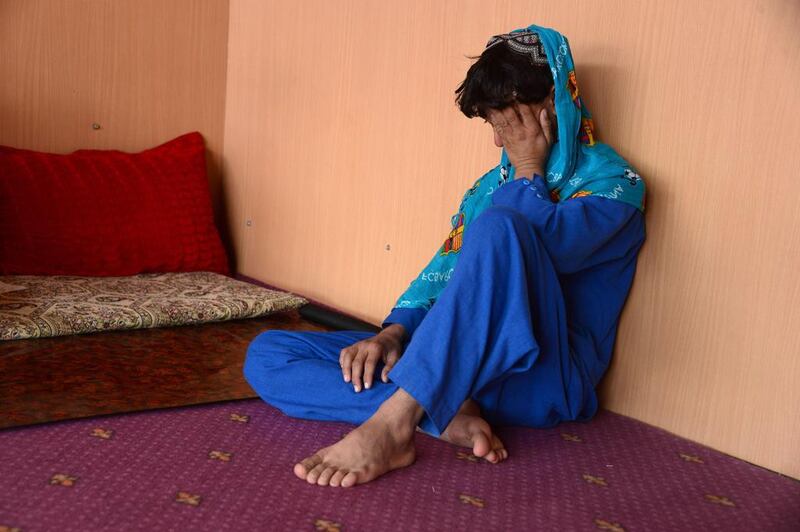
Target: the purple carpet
pixel 228 466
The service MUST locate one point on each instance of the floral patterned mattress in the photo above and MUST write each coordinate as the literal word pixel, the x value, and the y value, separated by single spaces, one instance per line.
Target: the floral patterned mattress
pixel 42 306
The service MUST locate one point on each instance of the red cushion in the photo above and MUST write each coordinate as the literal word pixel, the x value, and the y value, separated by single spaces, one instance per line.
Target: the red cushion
pixel 99 212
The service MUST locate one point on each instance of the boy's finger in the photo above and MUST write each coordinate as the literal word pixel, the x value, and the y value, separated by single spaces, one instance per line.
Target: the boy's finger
pixel 391 360
pixel 369 371
pixel 345 352
pixel 496 119
pixel 357 370
pixel 527 115
pixel 546 125
pixel 517 107
pixel 511 116
pixel 346 363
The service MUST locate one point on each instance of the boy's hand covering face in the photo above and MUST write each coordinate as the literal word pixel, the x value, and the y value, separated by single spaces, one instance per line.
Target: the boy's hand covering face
pixel 526 132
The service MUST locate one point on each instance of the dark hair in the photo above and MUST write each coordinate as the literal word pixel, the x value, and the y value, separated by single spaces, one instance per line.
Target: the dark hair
pixel 499 78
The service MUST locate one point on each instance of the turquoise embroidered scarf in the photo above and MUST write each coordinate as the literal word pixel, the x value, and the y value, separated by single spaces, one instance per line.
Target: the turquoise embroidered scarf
pixel 578 166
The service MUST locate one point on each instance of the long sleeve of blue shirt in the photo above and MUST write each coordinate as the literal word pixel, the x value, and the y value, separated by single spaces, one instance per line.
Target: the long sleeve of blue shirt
pixel 409 318
pixel 577 234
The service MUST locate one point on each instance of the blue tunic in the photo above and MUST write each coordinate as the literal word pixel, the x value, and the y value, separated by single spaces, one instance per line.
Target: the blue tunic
pixel 525 325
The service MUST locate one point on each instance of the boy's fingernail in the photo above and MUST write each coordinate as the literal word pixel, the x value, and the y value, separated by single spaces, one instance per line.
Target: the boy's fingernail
pixel 357 388
pixel 367 385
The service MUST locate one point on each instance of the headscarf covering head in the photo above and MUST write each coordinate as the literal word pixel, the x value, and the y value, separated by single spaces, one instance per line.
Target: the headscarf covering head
pixel 579 165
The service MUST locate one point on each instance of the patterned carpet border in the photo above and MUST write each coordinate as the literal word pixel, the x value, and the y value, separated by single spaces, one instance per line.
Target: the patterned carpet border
pixel 228 466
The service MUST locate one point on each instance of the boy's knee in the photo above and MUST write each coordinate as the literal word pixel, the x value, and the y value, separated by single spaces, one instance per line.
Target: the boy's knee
pixel 263 353
pixel 265 341
pixel 494 222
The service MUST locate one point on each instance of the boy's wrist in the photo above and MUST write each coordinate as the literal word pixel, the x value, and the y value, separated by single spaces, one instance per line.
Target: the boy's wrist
pixel 528 172
pixel 394 330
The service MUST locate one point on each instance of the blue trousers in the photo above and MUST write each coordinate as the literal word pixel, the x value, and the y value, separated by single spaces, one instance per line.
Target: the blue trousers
pixel 496 334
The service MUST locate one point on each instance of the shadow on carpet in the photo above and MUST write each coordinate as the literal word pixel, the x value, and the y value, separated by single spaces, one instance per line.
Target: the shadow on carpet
pixel 228 466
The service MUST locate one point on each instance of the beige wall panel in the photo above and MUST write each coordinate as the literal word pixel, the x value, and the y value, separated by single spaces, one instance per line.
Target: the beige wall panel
pixel 342 138
pixel 145 70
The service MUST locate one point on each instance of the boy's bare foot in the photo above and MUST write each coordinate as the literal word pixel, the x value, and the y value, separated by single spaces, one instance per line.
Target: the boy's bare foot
pixel 469 429
pixel 382 443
